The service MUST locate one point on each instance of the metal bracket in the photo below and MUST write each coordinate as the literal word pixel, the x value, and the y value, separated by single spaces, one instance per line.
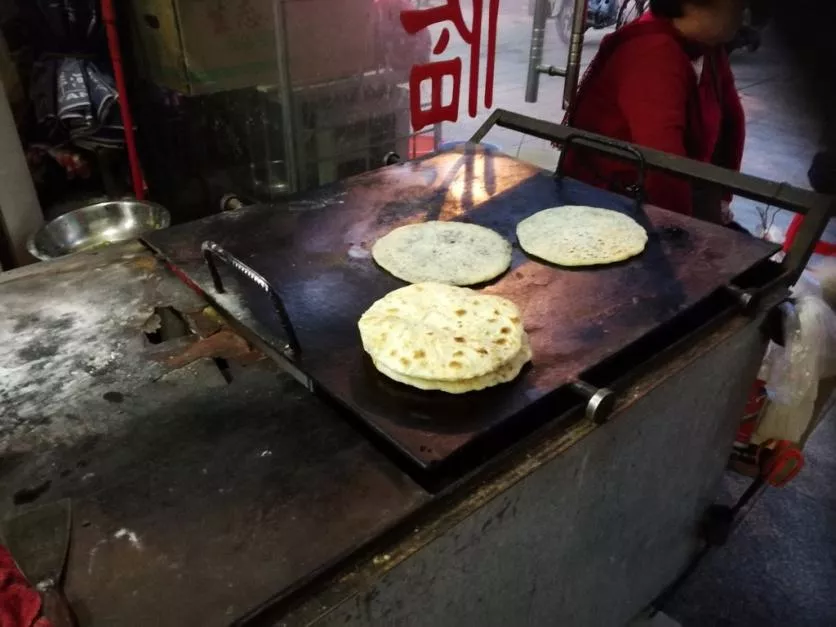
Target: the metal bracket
pixel 234 202
pixel 746 299
pixel 596 143
pixel 773 326
pixel 808 235
pixel 600 402
pixel 551 70
pixel 212 252
pixel 391 158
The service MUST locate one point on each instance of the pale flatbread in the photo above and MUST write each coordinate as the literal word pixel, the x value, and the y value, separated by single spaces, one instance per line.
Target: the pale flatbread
pixel 503 374
pixel 454 253
pixel 441 332
pixel 581 236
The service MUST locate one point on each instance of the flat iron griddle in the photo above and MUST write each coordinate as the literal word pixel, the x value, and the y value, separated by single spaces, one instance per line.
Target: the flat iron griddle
pixel 314 252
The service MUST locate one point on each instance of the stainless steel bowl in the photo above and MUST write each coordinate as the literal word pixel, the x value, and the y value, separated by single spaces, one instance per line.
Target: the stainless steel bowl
pixel 97 225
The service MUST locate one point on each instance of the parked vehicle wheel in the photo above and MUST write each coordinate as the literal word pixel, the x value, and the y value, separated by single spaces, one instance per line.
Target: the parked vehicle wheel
pixel 563 20
pixel 629 11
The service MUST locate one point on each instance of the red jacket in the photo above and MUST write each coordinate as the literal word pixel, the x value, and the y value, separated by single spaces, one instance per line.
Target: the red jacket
pixel 642 87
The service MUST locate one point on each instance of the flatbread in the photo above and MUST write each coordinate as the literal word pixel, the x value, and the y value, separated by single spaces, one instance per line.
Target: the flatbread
pixel 503 374
pixel 581 236
pixel 454 253
pixel 440 332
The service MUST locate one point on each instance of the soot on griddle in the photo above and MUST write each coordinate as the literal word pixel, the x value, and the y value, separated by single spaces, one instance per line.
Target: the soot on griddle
pixel 674 233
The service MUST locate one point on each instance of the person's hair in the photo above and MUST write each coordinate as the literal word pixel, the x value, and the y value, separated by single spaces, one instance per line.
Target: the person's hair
pixel 672 8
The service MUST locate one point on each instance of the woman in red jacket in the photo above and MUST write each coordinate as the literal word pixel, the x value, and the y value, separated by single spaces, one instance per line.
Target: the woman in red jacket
pixel 664 82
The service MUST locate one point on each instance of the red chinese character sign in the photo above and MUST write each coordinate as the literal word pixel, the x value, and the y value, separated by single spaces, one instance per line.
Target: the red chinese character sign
pixel 450 14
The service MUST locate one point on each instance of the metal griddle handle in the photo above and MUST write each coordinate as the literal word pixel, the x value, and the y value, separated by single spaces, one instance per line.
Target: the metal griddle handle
pixel 595 143
pixel 212 251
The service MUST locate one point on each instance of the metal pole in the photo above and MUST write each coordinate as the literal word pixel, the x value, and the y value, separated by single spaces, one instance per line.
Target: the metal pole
pixel 573 61
pixel 285 97
pixel 535 54
pixel 20 211
pixel 573 64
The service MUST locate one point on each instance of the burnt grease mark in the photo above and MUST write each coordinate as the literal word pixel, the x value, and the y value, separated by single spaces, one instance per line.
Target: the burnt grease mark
pixel 30 495
pixel 28 321
pixel 113 397
pixel 675 236
pixel 37 350
pixel 34 321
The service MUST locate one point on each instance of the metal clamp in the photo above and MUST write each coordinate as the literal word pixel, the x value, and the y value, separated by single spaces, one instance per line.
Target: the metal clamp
pixel 631 153
pixel 600 402
pixel 551 70
pixel 391 158
pixel 212 251
pixel 234 202
pixel 745 299
pixel 774 323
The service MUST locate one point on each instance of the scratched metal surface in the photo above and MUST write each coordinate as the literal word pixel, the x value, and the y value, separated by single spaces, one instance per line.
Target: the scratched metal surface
pixel 195 499
pixel 315 252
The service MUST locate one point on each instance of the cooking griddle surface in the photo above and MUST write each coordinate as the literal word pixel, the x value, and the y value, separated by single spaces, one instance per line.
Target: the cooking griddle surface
pixel 315 252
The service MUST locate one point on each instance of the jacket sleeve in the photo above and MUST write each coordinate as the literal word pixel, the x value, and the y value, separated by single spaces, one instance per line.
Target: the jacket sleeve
pixel 729 152
pixel 654 86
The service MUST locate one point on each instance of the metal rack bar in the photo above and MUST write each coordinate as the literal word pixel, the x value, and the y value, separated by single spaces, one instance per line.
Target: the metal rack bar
pixel 818 209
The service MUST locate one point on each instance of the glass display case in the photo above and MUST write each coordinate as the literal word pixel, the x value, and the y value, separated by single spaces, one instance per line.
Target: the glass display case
pixel 262 98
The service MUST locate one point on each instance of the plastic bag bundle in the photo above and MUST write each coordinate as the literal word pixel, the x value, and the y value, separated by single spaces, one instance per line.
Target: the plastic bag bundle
pixel 824 272
pixel 792 372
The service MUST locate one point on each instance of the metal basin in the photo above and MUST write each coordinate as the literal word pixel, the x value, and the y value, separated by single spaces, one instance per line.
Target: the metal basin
pixel 97 225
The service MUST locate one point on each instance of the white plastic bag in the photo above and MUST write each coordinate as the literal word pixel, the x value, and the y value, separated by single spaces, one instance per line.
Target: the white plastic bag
pixel 792 372
pixel 824 271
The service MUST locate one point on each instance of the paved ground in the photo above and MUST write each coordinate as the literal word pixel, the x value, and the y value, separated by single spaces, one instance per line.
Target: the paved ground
pixel 779 567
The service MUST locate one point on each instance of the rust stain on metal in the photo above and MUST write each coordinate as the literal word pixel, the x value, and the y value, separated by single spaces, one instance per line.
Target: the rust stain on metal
pixel 205 322
pixel 224 344
pixel 145 262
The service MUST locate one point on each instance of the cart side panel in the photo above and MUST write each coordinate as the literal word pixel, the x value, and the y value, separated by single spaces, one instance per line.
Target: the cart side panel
pixel 593 536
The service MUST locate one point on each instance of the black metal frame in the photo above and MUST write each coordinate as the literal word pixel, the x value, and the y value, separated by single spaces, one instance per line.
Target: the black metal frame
pixel 631 153
pixel 817 208
pixel 212 251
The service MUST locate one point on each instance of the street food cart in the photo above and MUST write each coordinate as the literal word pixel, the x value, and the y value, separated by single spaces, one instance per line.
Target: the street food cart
pixel 203 399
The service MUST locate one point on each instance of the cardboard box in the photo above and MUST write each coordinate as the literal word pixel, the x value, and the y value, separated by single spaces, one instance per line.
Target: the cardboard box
pixel 205 46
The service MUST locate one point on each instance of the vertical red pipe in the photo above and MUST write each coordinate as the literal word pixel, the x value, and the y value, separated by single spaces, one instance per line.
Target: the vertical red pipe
pixel 822 248
pixel 109 19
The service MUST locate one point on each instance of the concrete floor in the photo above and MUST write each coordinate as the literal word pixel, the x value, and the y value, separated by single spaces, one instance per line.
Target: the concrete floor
pixel 779 568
